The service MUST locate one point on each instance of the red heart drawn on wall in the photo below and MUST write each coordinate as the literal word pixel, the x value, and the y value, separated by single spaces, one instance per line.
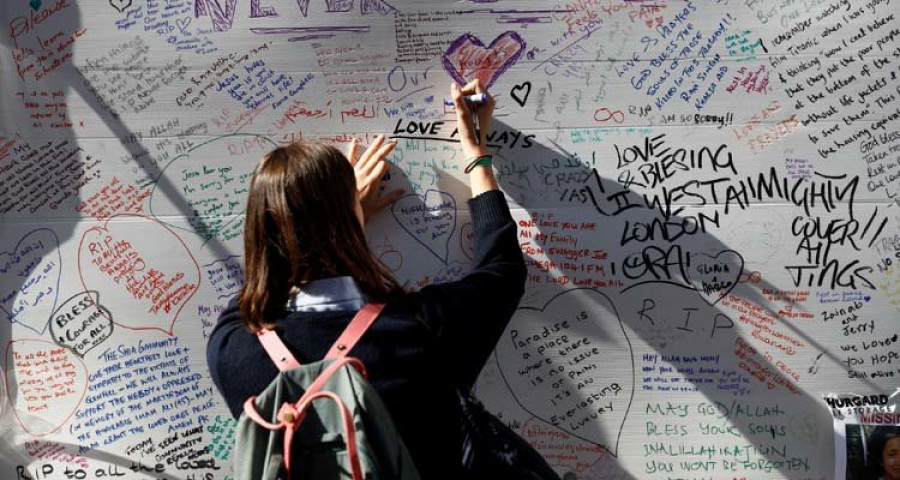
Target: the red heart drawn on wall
pixel 468 58
pixel 144 265
pixel 49 383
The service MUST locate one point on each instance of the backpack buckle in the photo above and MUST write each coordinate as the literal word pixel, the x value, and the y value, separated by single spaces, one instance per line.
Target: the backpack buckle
pixel 289 415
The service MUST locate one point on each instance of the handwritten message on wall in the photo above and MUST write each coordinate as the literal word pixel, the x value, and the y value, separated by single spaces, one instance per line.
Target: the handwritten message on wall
pixel 706 194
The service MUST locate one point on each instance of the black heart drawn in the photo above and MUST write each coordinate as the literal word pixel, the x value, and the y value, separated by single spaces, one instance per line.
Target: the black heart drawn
pixel 726 284
pixel 120 5
pixel 514 93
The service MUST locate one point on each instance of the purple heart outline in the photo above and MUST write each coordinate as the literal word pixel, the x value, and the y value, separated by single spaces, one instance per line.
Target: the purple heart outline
pixel 451 69
pixel 183 24
pixel 416 217
pixel 40 252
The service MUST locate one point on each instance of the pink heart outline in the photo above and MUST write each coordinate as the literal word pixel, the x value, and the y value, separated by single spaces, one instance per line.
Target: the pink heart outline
pixel 451 68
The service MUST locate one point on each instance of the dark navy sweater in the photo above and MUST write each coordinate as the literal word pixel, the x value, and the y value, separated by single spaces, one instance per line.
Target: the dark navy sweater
pixel 418 352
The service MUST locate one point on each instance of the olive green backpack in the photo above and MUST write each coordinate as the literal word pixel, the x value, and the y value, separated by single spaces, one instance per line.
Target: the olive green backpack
pixel 320 421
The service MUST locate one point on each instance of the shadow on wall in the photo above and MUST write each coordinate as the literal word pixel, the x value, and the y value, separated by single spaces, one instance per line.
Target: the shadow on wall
pixel 44 167
pixel 39 149
pixel 676 292
pixel 567 358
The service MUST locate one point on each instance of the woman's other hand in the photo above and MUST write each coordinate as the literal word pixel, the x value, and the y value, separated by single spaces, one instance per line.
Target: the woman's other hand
pixel 369 168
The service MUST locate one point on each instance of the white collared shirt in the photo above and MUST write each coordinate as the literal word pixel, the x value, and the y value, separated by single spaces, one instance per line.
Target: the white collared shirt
pixel 335 294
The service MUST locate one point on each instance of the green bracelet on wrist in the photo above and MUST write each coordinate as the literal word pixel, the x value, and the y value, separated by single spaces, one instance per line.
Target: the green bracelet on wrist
pixel 479 161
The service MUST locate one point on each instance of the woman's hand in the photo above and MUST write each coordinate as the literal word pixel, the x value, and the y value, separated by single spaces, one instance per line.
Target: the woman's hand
pixel 369 168
pixel 473 144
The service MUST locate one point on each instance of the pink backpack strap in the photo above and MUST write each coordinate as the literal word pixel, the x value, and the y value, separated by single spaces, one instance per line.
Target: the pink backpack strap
pixel 283 358
pixel 291 415
pixel 277 350
pixel 355 330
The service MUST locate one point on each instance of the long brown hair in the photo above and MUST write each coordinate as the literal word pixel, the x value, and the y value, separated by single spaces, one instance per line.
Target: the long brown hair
pixel 302 226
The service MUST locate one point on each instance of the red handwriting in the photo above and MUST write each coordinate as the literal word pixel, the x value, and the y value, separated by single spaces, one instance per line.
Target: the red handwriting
pixel 53 451
pixel 560 447
pixel 604 114
pixel 367 111
pixel 113 256
pixel 47 376
pixel 775 133
pixel 650 14
pixel 46 109
pixel 229 123
pixel 751 81
pixel 555 253
pixel 6 145
pixel 760 369
pixel 114 198
pixel 21 25
pixel 51 58
pixel 757 119
pixel 765 327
